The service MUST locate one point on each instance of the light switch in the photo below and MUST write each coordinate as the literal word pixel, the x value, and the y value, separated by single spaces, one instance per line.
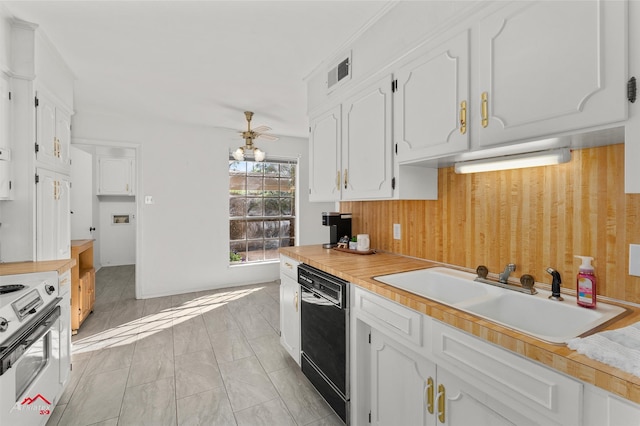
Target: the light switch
pixel 148 199
pixel 634 259
pixel 396 231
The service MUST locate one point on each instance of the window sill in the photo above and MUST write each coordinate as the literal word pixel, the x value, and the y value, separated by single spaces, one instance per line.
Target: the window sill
pixel 245 264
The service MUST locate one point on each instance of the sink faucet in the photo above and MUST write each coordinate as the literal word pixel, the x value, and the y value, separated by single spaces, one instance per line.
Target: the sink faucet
pixel 555 285
pixel 504 276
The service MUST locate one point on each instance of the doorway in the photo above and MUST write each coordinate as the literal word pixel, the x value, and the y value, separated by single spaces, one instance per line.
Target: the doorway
pixel 105 201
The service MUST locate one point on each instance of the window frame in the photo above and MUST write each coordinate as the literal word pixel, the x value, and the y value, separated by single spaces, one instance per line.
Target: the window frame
pixel 250 194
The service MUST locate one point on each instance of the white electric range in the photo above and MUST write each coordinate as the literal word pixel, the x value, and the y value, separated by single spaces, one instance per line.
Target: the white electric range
pixel 35 346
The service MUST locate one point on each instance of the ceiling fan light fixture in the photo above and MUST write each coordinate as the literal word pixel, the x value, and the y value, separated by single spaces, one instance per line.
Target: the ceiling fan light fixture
pixel 259 155
pixel 238 154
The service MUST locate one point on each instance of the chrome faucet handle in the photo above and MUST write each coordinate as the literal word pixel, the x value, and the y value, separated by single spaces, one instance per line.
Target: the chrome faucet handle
pixel 527 281
pixel 482 271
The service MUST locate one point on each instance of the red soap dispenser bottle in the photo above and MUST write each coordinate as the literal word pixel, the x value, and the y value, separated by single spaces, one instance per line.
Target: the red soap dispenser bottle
pixel 586 283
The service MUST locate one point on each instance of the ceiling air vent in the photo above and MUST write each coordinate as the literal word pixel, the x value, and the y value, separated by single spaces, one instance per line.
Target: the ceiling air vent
pixel 339 73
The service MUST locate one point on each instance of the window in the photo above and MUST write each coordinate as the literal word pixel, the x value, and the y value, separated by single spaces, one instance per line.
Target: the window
pixel 261 209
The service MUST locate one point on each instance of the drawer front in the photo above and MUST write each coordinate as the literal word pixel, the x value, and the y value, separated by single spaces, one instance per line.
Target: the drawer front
pixel 64 283
pixel 401 321
pixel 289 267
pixel 494 369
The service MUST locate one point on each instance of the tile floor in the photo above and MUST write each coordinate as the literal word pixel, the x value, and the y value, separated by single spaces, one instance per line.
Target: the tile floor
pixel 205 358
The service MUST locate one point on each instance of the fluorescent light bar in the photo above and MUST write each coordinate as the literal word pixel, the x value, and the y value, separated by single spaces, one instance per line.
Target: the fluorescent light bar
pixel 518 161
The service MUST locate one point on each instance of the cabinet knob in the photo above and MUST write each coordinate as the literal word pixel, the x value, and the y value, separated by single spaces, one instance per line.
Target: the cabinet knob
pixel 91 229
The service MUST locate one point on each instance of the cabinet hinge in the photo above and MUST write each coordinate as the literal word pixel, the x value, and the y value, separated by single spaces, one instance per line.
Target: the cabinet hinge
pixel 36 102
pixel 37 178
pixel 37 147
pixel 631 89
pixel 393 183
pixel 396 149
pixel 10 185
pixel 394 85
pixel 369 338
pixel 9 95
pixel 369 416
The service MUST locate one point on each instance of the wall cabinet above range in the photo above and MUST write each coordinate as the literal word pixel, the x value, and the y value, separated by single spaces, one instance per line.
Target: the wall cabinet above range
pixel 53 133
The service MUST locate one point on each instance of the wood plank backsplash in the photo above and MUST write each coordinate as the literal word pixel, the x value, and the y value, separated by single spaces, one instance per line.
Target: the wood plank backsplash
pixel 536 218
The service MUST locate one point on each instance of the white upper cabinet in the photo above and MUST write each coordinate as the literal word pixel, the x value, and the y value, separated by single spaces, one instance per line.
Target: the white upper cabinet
pixel 116 176
pixel 432 101
pixel 53 133
pixel 367 146
pixel 351 153
pixel 550 67
pixel 324 149
pixel 5 141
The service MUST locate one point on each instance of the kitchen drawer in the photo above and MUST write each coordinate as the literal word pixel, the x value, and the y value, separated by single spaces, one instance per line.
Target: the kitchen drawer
pixel 497 371
pixel 402 322
pixel 289 267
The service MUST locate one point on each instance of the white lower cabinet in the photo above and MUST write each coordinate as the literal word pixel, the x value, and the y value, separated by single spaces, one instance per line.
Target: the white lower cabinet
pixel 602 408
pixel 290 307
pixel 418 371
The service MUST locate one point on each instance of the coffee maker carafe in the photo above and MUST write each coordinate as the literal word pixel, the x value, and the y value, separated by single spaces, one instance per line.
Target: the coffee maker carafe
pixel 339 225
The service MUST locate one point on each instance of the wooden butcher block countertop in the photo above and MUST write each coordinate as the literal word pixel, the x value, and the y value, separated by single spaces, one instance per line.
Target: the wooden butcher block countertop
pixel 13 268
pixel 360 270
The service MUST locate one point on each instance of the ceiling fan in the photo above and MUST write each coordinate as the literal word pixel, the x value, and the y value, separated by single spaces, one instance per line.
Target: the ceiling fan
pixel 249 135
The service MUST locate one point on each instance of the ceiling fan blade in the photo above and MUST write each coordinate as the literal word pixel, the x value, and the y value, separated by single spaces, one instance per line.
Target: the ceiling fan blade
pixel 261 129
pixel 267 136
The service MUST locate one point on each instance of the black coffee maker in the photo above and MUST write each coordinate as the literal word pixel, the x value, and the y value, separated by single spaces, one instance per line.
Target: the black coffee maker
pixel 339 225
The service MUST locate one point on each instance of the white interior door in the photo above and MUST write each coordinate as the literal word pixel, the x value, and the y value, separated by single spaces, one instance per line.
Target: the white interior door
pixel 81 194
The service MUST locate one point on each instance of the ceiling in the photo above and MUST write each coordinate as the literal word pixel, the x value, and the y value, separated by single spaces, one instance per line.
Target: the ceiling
pixel 198 62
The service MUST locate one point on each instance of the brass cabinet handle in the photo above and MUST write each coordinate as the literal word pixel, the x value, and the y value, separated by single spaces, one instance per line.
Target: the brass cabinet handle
pixel 338 179
pixel 485 109
pixel 430 395
pixel 288 265
pixel 345 178
pixel 463 117
pixel 295 301
pixel 441 401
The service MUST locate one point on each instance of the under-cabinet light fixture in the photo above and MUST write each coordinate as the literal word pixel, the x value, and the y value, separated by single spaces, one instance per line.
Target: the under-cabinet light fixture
pixel 517 161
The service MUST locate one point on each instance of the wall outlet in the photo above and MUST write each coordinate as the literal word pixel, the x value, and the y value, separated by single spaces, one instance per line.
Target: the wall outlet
pixel 634 259
pixel 396 231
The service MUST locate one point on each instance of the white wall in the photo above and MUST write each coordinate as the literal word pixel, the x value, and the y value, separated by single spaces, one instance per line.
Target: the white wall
pixel 183 237
pixel 117 241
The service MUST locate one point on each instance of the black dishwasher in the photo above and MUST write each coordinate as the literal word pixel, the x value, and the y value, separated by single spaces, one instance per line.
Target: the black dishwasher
pixel 324 331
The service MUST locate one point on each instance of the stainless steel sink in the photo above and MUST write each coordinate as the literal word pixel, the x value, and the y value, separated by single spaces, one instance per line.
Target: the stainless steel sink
pixel 535 315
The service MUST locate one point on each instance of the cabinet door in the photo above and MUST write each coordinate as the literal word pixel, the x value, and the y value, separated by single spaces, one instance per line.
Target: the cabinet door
pixel 401 382
pixel 53 217
pixel 46 131
pixel 115 176
pixel 367 162
pixel 63 212
pixel 548 67
pixel 432 102
pixel 290 316
pixel 458 404
pixel 5 112
pixel 324 156
pixel 63 135
pixel 46 215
